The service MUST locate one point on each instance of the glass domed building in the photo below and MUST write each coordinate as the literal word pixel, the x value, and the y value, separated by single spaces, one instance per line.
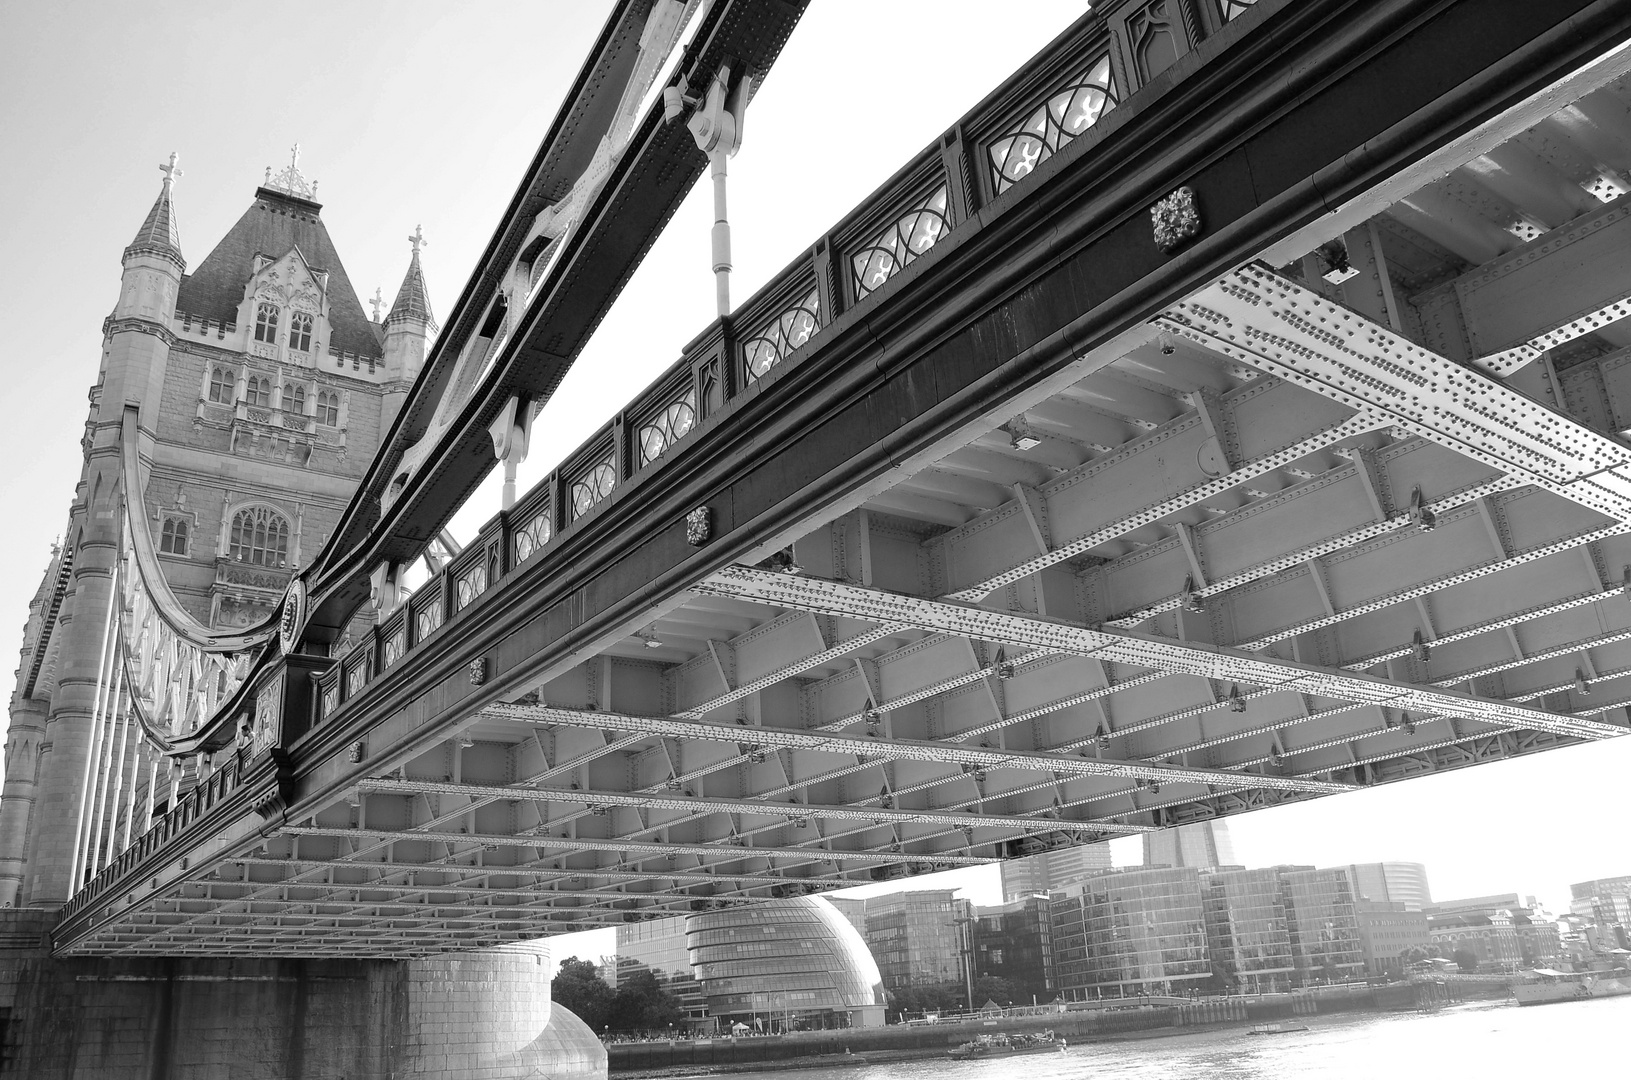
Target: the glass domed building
pixel 794 963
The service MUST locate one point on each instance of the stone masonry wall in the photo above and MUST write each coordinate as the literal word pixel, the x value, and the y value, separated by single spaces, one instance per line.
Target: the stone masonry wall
pixel 477 1016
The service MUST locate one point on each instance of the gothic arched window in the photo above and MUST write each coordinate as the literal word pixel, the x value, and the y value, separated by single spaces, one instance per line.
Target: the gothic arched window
pixel 258 392
pixel 173 538
pixel 300 332
pixel 328 408
pixel 294 398
pixel 260 535
pixel 266 323
pixel 222 384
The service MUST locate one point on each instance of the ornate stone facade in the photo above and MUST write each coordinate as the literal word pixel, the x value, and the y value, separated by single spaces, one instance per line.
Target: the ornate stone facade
pixel 263 390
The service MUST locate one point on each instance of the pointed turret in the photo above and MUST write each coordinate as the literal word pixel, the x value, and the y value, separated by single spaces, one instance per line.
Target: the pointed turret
pixel 408 329
pixel 412 302
pixel 158 234
pixel 152 263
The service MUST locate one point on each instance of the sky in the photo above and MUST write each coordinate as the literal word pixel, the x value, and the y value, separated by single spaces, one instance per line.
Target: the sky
pixel 414 113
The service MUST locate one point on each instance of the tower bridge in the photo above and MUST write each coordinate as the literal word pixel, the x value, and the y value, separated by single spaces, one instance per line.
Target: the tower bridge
pixel 1230 409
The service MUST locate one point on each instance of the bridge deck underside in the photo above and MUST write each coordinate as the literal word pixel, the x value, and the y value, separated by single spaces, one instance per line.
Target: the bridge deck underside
pixel 1186 582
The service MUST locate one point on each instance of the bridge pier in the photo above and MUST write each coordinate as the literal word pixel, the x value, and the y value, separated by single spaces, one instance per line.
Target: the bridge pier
pixel 472 1015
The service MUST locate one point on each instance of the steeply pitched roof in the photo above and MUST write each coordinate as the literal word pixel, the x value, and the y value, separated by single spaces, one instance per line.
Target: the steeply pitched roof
pixel 158 231
pixel 412 299
pixel 273 224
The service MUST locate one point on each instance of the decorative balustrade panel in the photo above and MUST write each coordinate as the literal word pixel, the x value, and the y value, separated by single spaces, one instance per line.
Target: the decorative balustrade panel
pixel 901 243
pixel 1069 110
pixel 533 535
pixel 426 619
pixel 396 643
pixel 594 485
pixel 470 584
pixel 666 428
pixel 770 345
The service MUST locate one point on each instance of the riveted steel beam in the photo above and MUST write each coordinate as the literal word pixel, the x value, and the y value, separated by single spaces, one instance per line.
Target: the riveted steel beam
pixel 695 804
pixel 1138 650
pixel 900 749
pixel 719 851
pixel 1280 327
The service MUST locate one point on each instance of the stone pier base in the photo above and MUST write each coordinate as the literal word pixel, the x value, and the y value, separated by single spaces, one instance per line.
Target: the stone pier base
pixel 470 1016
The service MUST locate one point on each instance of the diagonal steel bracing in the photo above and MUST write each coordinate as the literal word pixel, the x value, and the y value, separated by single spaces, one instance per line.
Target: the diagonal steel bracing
pixel 1117 522
pixel 645 848
pixel 1256 316
pixel 757 806
pixel 899 749
pixel 1138 650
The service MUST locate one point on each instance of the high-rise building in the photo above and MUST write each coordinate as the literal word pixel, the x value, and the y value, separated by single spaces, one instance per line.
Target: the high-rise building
pixel 1247 932
pixel 794 963
pixel 1201 845
pixel 1014 941
pixel 254 392
pixel 659 946
pixel 1323 926
pixel 1129 932
pixel 1391 882
pixel 1605 901
pixel 1050 870
pixel 853 909
pixel 918 938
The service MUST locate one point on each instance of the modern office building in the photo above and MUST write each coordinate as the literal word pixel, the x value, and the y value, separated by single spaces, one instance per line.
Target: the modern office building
pixel 784 965
pixel 1605 901
pixel 1389 934
pixel 1323 927
pixel 1202 845
pixel 1129 932
pixel 919 938
pixel 1247 933
pixel 658 946
pixel 1014 941
pixel 853 909
pixel 1391 882
pixel 1049 870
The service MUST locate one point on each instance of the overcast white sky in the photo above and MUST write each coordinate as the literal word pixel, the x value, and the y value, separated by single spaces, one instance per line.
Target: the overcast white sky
pixel 414 112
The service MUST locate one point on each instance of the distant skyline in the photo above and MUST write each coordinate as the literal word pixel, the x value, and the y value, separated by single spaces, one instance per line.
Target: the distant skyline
pixel 429 117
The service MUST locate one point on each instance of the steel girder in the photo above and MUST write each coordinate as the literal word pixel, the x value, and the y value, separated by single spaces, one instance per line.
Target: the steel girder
pixel 1137 650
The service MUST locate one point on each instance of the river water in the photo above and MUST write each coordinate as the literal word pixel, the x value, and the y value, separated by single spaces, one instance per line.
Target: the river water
pixel 1482 1040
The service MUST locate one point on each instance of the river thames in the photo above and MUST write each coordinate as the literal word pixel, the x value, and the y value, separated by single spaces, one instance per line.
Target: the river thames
pixel 1486 1040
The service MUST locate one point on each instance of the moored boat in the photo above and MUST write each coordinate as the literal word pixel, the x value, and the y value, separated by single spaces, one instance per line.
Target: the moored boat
pixel 1552 986
pixel 995 1046
pixel 1283 1028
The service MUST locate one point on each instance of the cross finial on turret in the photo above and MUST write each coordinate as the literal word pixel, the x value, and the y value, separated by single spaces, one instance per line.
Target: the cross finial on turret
pixel 378 301
pixel 171 171
pixel 417 240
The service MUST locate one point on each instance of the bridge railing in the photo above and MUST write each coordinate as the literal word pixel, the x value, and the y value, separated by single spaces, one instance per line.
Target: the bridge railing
pixel 1060 96
pixel 189 807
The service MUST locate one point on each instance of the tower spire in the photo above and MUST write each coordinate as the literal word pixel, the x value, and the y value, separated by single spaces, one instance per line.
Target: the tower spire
pixel 158 234
pixel 412 299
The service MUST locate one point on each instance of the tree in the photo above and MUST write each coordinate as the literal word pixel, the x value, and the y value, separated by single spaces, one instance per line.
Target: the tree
pixel 1466 960
pixel 642 1003
pixel 996 988
pixel 578 986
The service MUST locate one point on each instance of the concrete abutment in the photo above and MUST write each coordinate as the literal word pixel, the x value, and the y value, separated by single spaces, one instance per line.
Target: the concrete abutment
pixel 470 1016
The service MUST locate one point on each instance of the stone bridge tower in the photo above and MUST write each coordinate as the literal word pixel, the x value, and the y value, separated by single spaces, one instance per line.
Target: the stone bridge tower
pixel 263 389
